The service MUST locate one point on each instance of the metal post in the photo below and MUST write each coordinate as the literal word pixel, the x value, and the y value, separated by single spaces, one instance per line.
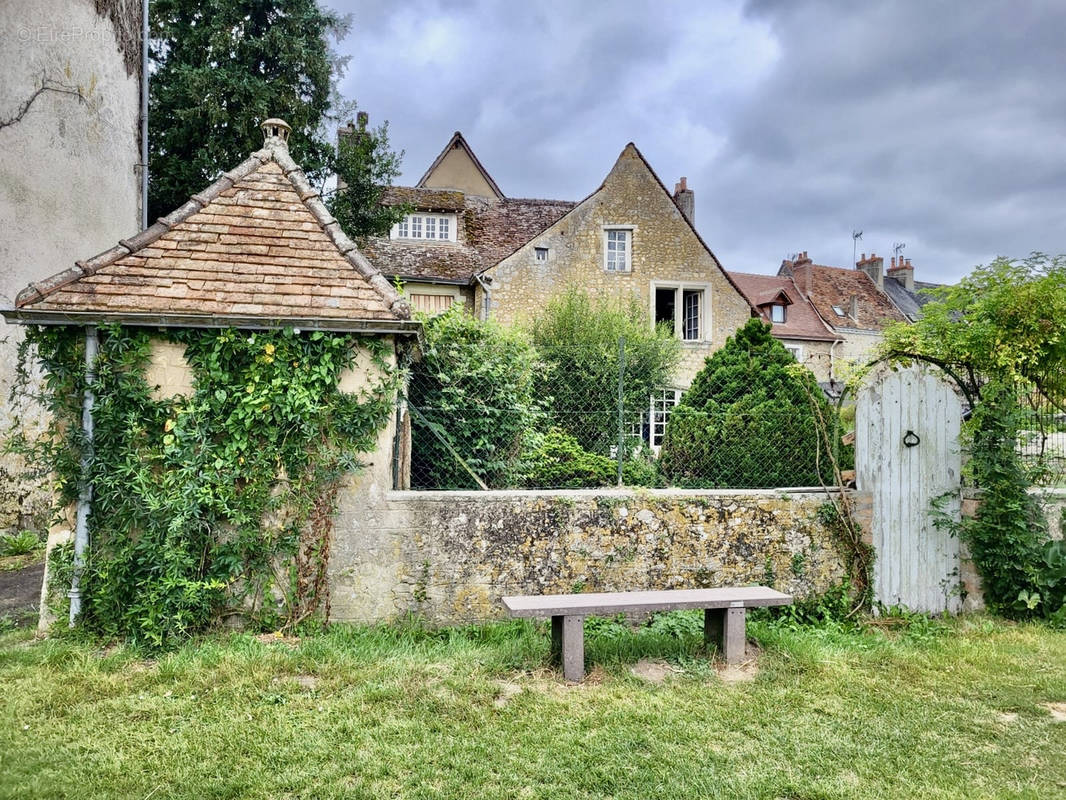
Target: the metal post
pixel 621 404
pixel 85 488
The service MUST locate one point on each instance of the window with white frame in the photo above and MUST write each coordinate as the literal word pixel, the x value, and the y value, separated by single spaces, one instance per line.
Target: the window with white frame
pixel 617 249
pixel 434 227
pixel 540 253
pixel 796 351
pixel 777 313
pixel 662 403
pixel 683 307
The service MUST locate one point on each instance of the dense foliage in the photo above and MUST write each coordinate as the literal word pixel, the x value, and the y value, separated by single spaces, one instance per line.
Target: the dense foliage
pixel 1001 332
pixel 365 167
pixel 1005 320
pixel 577 338
pixel 473 403
pixel 217 502
pixel 219 68
pixel 749 420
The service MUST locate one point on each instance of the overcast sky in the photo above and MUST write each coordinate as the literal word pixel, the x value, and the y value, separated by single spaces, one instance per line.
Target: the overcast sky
pixel 937 124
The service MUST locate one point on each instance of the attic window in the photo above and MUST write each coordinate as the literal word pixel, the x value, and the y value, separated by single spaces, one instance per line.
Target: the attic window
pixel 435 227
pixel 839 311
pixel 777 313
pixel 540 253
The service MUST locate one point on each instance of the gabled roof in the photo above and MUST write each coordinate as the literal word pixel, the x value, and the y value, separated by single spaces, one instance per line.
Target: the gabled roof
pixel 459 142
pixel 835 286
pixel 801 319
pixel 487 232
pixel 633 149
pixel 257 248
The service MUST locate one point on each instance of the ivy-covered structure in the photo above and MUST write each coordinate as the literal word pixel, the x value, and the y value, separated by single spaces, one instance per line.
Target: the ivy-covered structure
pixel 213 381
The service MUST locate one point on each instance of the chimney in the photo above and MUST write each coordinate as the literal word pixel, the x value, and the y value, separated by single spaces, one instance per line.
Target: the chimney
pixel 351 129
pixel 853 311
pixel 874 267
pixel 275 133
pixel 685 199
pixel 903 273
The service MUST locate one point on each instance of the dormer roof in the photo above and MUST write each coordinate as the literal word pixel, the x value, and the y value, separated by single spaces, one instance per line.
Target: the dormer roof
pixel 446 171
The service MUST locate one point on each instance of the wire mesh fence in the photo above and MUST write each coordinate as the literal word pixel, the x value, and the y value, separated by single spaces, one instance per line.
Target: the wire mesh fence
pixel 595 420
pixel 1042 433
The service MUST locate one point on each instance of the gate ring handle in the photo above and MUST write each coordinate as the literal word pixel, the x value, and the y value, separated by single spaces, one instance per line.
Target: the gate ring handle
pixel 910 439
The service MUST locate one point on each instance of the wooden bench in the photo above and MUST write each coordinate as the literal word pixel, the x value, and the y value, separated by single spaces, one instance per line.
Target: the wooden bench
pixel 723 616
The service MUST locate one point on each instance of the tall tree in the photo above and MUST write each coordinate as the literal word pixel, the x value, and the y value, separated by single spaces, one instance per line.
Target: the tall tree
pixel 219 67
pixel 366 167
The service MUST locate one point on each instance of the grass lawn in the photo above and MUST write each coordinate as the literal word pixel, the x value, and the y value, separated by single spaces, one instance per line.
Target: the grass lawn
pixel 934 710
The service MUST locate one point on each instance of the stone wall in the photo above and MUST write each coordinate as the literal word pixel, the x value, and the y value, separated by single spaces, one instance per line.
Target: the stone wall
pixel 68 179
pixel 451 556
pixel 664 250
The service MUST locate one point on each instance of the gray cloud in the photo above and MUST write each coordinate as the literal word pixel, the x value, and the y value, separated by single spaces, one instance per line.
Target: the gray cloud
pixel 939 124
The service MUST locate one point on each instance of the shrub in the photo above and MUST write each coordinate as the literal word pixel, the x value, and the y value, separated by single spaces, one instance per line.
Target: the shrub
pixel 473 399
pixel 560 463
pixel 577 338
pixel 18 544
pixel 748 420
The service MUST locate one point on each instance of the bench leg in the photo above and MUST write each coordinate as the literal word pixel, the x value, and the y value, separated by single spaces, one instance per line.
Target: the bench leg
pixel 568 646
pixel 724 628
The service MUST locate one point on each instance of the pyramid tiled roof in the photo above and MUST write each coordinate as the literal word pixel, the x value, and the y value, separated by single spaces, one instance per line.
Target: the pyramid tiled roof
pixel 257 247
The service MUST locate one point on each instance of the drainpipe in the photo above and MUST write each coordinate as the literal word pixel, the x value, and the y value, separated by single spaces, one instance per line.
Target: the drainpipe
pixel 85 488
pixel 486 307
pixel 144 114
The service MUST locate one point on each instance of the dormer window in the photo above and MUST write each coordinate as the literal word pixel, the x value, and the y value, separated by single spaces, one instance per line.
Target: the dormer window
pixel 422 226
pixel 777 313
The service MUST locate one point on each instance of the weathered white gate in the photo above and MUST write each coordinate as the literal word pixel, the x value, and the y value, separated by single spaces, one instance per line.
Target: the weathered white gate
pixel 907 454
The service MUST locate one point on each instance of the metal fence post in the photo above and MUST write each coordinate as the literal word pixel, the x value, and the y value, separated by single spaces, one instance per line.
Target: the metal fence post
pixel 621 404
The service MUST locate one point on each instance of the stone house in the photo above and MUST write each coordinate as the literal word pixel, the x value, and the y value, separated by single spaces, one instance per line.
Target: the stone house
pixel 853 303
pixel 506 258
pixel 70 92
pixel 794 321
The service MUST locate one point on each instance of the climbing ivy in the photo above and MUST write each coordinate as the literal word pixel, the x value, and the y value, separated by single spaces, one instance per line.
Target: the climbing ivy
pixel 216 502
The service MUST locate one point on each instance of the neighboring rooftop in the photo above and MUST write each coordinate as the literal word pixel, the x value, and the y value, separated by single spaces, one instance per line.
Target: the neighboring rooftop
pixel 844 298
pixel 801 319
pixel 257 247
pixel 488 231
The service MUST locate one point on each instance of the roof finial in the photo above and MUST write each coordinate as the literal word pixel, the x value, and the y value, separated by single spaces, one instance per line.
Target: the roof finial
pixel 275 133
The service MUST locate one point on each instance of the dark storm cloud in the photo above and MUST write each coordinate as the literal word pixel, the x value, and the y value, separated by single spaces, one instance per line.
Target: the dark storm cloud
pixel 942 125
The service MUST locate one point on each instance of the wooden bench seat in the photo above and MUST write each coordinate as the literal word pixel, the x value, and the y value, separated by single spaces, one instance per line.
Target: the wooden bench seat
pixel 724 612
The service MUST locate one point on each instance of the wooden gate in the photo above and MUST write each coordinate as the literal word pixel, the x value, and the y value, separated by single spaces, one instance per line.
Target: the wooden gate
pixel 906 455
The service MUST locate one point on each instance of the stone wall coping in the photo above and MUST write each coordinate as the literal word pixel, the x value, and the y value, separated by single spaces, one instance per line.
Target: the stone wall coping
pixel 591 494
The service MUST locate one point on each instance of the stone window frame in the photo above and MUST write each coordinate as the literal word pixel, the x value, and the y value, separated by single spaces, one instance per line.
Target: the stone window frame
pixel 417 222
pixel 680 287
pixel 796 350
pixel 540 253
pixel 629 231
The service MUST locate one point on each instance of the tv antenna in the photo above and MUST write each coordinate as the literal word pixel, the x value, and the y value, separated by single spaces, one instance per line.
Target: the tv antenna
pixel 897 248
pixel 855 236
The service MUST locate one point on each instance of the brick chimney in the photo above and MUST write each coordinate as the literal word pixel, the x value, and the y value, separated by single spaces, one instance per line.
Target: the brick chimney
pixel 874 266
pixel 685 199
pixel 902 272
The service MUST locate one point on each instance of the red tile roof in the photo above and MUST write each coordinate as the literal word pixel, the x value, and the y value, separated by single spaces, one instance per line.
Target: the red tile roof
pixel 801 319
pixel 258 243
pixel 835 286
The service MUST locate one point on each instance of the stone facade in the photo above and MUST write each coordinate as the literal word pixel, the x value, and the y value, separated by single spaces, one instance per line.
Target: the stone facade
pixel 666 251
pixel 68 178
pixel 450 556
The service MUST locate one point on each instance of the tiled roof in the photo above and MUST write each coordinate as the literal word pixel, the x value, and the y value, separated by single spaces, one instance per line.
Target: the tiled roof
pixel 487 232
pixel 834 286
pixel 801 320
pixel 258 243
